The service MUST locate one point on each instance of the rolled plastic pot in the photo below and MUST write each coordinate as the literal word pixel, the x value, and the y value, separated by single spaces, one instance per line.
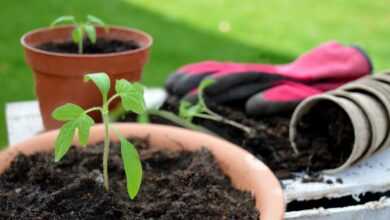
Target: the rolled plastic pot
pixel 378 114
pixel 383 78
pixel 245 171
pixel 359 121
pixel 375 112
pixel 58 76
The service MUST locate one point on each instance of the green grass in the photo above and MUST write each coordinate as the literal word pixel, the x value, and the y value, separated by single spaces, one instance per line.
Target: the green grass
pixel 189 31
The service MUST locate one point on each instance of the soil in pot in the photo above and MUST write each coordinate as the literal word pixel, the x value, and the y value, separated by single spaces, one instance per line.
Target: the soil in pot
pixel 176 185
pixel 101 46
pixel 326 126
pixel 271 140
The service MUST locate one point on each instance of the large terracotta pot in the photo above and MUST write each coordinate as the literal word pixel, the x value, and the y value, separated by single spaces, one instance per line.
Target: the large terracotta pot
pixel 245 171
pixel 58 76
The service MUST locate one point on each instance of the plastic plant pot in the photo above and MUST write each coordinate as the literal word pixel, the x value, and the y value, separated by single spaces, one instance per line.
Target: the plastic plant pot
pixel 358 119
pixel 58 76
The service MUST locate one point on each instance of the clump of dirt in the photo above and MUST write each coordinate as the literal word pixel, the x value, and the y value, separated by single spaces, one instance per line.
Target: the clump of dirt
pixel 101 46
pixel 176 185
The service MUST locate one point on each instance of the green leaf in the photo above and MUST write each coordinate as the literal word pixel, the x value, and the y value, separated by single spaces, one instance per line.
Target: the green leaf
pixel 84 123
pixel 67 112
pixel 76 117
pixel 101 80
pixel 132 95
pixel 188 111
pixel 95 20
pixel 206 83
pixel 77 34
pixel 63 19
pixel 91 32
pixel 64 140
pixel 133 167
pixel 183 109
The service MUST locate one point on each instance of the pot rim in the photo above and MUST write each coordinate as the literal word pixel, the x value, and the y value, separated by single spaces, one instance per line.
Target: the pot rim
pixel 123 28
pixel 256 177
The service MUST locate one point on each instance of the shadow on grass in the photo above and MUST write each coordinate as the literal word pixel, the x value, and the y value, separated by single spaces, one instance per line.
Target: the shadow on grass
pixel 177 43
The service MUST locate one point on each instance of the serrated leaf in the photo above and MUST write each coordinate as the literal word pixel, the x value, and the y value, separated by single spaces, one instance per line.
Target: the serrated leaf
pixel 84 123
pixel 122 86
pixel 95 20
pixel 91 32
pixel 206 83
pixel 63 19
pixel 132 95
pixel 133 167
pixel 77 34
pixel 67 112
pixel 64 140
pixel 101 80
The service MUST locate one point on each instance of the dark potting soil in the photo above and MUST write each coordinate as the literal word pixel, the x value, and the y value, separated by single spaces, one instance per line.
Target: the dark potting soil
pixel 270 141
pixel 326 126
pixel 175 186
pixel 102 45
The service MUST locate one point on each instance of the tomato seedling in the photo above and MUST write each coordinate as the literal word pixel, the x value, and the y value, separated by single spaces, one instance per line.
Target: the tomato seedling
pixel 77 120
pixel 189 111
pixel 81 28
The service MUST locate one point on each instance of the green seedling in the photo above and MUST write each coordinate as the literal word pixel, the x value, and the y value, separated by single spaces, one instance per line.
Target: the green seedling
pixel 81 28
pixel 77 120
pixel 189 111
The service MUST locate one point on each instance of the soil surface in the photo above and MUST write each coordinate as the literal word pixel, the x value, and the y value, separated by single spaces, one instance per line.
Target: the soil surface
pixel 326 126
pixel 270 141
pixel 175 186
pixel 102 45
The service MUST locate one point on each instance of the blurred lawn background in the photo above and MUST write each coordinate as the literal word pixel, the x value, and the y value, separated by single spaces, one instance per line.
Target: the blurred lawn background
pixel 192 30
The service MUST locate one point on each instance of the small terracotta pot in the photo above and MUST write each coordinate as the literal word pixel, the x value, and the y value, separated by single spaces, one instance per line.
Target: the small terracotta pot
pixel 361 126
pixel 58 76
pixel 245 171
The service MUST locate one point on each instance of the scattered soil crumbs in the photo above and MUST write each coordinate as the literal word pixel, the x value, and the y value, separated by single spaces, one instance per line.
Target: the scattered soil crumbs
pixel 102 45
pixel 175 186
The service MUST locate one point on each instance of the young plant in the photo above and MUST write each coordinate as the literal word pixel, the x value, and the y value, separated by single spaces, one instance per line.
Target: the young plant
pixel 190 111
pixel 81 28
pixel 77 120
pixel 187 112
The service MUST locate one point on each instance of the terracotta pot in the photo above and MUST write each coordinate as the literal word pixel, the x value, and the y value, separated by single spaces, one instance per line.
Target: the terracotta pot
pixel 245 171
pixel 58 76
pixel 361 126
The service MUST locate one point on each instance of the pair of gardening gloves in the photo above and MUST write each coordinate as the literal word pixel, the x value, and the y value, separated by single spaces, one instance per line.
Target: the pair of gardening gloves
pixel 272 89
